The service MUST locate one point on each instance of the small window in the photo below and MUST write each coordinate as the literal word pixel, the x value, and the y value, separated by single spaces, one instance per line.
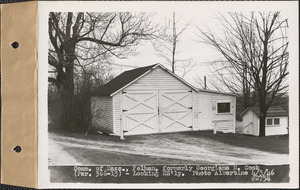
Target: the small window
pixel 273 122
pixel 270 121
pixel 223 107
pixel 276 121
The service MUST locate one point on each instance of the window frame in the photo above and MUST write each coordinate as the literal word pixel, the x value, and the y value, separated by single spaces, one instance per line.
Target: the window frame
pixel 274 121
pixel 267 121
pixel 224 101
pixel 273 124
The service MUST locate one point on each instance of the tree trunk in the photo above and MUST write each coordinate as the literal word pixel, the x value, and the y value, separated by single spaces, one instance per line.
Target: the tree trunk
pixel 262 126
pixel 246 99
pixel 69 68
pixel 262 116
pixel 70 104
pixel 174 43
pixel 69 84
pixel 70 109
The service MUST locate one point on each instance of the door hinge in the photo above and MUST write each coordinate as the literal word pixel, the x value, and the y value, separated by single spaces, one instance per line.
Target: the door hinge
pixel 190 91
pixel 124 131
pixel 190 108
pixel 190 127
pixel 124 110
pixel 124 92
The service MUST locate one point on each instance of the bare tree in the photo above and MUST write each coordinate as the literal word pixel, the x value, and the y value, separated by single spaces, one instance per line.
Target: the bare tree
pixel 255 47
pixel 90 38
pixel 79 41
pixel 209 83
pixel 186 67
pixel 235 79
pixel 224 78
pixel 167 46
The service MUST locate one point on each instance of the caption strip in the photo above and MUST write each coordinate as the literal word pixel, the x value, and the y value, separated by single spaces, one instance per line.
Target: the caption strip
pixel 171 174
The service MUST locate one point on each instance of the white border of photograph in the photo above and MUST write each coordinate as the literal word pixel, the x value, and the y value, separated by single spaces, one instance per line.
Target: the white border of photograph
pixel 289 8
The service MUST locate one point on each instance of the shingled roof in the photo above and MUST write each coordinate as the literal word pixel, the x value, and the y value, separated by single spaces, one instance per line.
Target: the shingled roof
pixel 122 80
pixel 273 111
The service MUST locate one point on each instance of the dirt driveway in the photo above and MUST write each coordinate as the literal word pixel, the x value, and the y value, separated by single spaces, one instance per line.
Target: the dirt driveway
pixel 176 148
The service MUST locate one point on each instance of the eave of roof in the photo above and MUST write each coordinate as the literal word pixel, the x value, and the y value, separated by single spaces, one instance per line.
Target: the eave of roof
pixel 273 111
pixel 216 92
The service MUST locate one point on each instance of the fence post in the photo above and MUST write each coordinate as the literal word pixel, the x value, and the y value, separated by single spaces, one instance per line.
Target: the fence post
pixel 215 128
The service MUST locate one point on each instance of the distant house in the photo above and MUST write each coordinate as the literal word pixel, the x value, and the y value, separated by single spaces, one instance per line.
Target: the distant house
pixel 152 99
pixel 276 121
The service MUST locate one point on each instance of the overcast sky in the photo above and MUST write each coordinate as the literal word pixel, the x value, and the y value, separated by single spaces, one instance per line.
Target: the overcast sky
pixel 188 46
pixel 199 14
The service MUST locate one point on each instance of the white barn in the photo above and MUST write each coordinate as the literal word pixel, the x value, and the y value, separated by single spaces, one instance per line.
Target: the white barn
pixel 152 99
pixel 276 121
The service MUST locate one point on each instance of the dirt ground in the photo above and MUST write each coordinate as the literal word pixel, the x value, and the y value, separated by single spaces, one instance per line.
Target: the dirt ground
pixel 173 148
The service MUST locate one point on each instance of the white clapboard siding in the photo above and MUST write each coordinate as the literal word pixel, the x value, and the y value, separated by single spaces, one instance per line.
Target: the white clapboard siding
pixel 281 129
pixel 158 79
pixel 223 122
pixel 117 112
pixel 204 111
pixel 195 105
pixel 250 123
pixel 102 112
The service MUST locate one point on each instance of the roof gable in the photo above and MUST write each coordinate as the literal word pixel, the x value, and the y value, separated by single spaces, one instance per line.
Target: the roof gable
pixel 273 111
pixel 128 77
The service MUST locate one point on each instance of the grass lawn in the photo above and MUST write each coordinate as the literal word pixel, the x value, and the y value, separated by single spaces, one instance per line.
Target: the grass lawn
pixel 191 147
pixel 276 144
pixel 273 144
pixel 111 158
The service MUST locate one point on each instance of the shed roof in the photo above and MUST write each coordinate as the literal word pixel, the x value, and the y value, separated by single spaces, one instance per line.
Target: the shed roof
pixel 216 92
pixel 273 111
pixel 128 77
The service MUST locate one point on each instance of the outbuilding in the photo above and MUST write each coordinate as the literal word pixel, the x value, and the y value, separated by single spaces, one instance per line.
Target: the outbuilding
pixel 276 121
pixel 152 99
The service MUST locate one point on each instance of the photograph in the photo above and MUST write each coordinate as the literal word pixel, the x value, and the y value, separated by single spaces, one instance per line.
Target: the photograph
pixel 150 94
pixel 174 96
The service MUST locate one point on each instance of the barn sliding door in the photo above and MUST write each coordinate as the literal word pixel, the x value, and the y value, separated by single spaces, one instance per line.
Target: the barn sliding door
pixel 140 112
pixel 175 111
